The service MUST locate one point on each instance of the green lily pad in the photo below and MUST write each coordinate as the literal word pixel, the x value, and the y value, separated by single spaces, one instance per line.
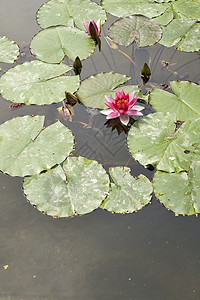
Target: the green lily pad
pixel 68 13
pixel 27 149
pixel 126 8
pixel 142 30
pixel 179 192
pixel 183 34
pixel 188 8
pixel 52 44
pixel 38 83
pixel 185 101
pixel 127 194
pixel 153 140
pixel 165 18
pixel 9 50
pixel 78 188
pixel 92 90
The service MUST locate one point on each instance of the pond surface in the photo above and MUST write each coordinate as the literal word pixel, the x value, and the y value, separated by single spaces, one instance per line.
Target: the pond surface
pixel 146 255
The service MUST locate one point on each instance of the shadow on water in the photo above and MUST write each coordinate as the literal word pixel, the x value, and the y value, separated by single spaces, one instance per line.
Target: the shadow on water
pixel 146 255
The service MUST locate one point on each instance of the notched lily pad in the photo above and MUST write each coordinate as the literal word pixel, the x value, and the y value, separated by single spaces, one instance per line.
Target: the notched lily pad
pixel 185 101
pixel 153 140
pixel 77 188
pixel 92 90
pixel 27 148
pixel 68 13
pixel 38 83
pixel 9 50
pixel 127 194
pixel 142 30
pixel 179 192
pixel 52 44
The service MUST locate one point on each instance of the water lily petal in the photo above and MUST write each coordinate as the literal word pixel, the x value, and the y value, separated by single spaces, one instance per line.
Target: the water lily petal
pixel 133 101
pixel 96 27
pixel 111 105
pixel 86 24
pixel 106 111
pixel 131 96
pixel 134 112
pixel 109 99
pixel 124 119
pixel 139 107
pixel 113 115
pixel 117 93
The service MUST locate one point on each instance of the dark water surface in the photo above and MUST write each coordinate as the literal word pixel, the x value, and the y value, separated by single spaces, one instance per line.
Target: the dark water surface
pixel 149 255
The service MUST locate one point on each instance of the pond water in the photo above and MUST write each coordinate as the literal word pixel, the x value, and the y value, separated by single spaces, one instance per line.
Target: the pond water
pixel 150 254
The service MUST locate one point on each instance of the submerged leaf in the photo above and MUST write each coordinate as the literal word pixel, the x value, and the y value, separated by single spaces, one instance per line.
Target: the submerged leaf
pixel 26 148
pixel 142 30
pixel 127 194
pixel 9 50
pixel 52 44
pixel 185 101
pixel 78 188
pixel 153 140
pixel 179 192
pixel 38 83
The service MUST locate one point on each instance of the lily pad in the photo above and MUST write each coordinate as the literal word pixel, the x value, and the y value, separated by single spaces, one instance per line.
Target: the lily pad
pixel 78 188
pixel 127 194
pixel 52 44
pixel 27 149
pixel 188 8
pixel 9 50
pixel 165 18
pixel 185 101
pixel 142 30
pixel 125 8
pixel 38 83
pixel 92 90
pixel 183 34
pixel 179 192
pixel 68 13
pixel 153 140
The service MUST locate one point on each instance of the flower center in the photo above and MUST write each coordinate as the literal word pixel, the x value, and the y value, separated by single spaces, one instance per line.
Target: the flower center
pixel 121 102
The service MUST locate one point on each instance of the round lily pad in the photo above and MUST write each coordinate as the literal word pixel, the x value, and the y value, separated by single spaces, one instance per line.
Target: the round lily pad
pixel 153 140
pixel 38 83
pixel 9 50
pixel 142 30
pixel 52 44
pixel 125 8
pixel 179 192
pixel 127 194
pixel 77 188
pixel 185 101
pixel 27 148
pixel 92 90
pixel 68 13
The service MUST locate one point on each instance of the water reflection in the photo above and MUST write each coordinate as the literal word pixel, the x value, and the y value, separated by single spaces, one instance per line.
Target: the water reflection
pixel 146 255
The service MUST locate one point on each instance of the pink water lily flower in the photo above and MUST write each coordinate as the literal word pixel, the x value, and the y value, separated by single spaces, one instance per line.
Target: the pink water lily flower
pixel 123 106
pixel 97 27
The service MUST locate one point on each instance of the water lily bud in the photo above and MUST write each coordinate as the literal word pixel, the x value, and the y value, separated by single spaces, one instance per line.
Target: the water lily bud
pixel 77 66
pixel 145 73
pixel 70 99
